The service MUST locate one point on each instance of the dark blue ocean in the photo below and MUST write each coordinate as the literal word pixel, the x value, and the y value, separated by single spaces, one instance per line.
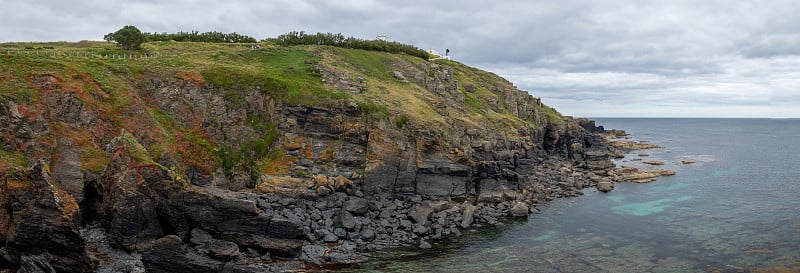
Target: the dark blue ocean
pixel 736 210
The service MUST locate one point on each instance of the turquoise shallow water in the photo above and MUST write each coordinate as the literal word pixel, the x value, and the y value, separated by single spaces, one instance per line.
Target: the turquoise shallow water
pixel 737 209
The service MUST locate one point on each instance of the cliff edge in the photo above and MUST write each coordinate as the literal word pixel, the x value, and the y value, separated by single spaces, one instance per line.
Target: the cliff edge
pixel 220 157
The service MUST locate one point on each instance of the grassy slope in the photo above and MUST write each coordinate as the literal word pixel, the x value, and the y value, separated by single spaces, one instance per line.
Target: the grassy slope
pixel 287 74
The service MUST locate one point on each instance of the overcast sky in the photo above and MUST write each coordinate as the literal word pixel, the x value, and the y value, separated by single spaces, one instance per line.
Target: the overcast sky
pixel 585 58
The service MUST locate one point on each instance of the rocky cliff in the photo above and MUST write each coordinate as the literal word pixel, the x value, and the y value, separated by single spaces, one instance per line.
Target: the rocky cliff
pixel 240 160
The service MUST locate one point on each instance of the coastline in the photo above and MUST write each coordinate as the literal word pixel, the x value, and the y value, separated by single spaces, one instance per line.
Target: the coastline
pixel 346 227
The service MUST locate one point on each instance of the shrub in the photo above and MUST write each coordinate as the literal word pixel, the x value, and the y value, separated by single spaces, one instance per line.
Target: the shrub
pixel 196 36
pixel 338 40
pixel 128 37
pixel 400 121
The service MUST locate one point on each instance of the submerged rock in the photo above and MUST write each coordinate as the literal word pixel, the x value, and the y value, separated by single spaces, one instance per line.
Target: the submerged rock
pixel 605 186
pixel 425 245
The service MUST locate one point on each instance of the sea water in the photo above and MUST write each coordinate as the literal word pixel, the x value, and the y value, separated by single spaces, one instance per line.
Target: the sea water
pixel 736 209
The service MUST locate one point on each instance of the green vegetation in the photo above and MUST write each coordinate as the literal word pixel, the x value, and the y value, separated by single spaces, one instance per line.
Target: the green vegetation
pixel 9 158
pixel 93 160
pixel 338 40
pixel 287 70
pixel 137 151
pixel 553 117
pixel 370 64
pixel 196 36
pixel 128 37
pixel 400 121
pixel 373 111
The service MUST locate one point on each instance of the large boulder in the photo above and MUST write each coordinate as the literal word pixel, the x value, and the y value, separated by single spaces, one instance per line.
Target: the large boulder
pixel 468 216
pixel 356 205
pixel 520 209
pixel 420 213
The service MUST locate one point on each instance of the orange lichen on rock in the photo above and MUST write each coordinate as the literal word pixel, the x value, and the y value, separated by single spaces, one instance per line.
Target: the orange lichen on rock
pixel 193 77
pixel 67 203
pixel 278 163
pixel 18 185
pixel 32 114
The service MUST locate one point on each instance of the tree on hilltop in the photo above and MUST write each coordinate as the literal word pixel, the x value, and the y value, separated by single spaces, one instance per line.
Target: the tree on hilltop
pixel 128 37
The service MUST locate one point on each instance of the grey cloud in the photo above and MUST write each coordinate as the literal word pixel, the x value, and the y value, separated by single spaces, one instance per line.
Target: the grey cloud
pixel 773 46
pixel 585 57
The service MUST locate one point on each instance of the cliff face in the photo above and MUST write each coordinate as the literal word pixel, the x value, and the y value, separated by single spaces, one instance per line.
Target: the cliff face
pixel 202 163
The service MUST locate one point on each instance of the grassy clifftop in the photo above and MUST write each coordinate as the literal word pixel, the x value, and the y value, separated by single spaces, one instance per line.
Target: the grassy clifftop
pixel 109 87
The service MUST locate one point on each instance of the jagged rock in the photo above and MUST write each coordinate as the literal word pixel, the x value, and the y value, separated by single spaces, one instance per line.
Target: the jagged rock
pixel 399 76
pixel 279 247
pixel 286 229
pixel 35 264
pixel 356 205
pixel 40 222
pixel 440 205
pixel 67 169
pixel 688 161
pixel 169 254
pixel 200 237
pixel 221 249
pixel 330 238
pixel 346 220
pixel 368 234
pixel 420 213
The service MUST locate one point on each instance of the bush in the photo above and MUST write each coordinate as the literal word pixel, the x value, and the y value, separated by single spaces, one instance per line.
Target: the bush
pixel 128 37
pixel 338 40
pixel 196 36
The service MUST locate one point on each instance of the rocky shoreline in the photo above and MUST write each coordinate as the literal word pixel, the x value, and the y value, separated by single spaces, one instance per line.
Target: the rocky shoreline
pixel 339 225
pixel 331 222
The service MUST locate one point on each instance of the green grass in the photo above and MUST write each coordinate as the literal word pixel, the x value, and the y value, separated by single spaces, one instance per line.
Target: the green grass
pixel 373 110
pixel 15 159
pixel 93 160
pixel 370 64
pixel 553 117
pixel 287 75
pixel 137 151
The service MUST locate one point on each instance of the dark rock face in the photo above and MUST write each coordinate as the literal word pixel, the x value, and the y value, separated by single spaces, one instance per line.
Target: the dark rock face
pixel 221 249
pixel 39 224
pixel 170 254
pixel 35 264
